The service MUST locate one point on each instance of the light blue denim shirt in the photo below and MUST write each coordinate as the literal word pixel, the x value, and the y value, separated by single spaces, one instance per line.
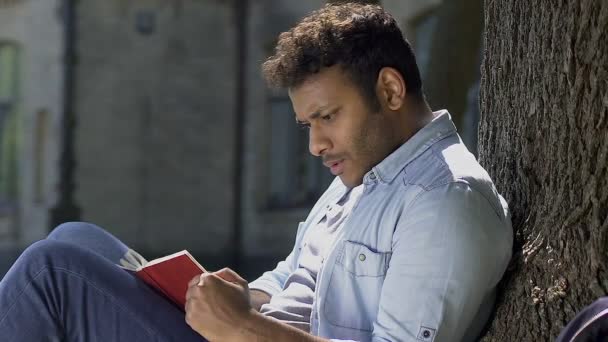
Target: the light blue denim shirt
pixel 421 253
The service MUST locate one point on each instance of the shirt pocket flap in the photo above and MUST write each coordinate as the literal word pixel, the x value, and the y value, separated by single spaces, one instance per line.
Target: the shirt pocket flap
pixel 361 260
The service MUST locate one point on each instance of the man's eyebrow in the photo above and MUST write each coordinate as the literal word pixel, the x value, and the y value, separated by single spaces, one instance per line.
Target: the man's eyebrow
pixel 310 118
pixel 317 113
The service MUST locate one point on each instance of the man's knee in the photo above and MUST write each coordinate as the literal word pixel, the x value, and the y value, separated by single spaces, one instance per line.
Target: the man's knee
pixel 47 250
pixel 73 230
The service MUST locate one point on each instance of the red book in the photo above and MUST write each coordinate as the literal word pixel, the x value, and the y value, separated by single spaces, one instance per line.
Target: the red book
pixel 169 275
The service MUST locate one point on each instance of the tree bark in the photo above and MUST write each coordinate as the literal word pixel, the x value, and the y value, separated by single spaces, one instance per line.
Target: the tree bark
pixel 374 2
pixel 543 137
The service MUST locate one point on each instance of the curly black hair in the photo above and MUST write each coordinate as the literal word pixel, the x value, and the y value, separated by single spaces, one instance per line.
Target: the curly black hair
pixel 362 39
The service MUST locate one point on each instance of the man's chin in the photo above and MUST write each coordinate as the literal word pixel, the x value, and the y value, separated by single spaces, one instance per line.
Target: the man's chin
pixel 349 182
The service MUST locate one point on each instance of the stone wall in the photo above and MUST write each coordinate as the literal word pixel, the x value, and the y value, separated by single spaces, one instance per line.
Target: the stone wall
pixel 36 28
pixel 155 109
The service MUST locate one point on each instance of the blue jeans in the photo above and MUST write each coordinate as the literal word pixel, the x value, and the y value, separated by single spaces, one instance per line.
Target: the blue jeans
pixel 68 288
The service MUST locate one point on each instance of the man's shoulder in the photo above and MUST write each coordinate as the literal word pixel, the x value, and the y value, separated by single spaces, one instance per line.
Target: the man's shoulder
pixel 447 161
pixel 448 173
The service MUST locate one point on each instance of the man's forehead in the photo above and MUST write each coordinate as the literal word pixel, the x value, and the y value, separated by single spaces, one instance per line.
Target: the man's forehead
pixel 307 106
pixel 317 93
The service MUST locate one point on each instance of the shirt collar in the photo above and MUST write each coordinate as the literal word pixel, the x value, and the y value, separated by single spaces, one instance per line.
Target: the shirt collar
pixel 439 128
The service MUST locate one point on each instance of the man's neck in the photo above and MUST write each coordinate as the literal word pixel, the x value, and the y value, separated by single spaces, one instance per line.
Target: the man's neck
pixel 416 116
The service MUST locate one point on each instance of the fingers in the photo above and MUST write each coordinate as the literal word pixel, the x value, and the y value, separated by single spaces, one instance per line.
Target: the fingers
pixel 195 280
pixel 205 279
pixel 225 274
pixel 194 286
pixel 213 282
pixel 229 275
pixel 195 290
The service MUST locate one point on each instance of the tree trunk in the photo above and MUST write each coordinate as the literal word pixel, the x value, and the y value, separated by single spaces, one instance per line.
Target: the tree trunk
pixel 375 2
pixel 543 137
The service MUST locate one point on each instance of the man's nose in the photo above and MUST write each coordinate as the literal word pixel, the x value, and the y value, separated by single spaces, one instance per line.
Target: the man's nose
pixel 318 142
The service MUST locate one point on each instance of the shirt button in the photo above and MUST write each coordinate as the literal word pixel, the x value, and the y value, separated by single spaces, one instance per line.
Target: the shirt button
pixel 372 176
pixel 362 257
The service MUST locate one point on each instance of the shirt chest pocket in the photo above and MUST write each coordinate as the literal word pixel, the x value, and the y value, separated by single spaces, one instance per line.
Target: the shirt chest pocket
pixel 355 286
pixel 360 260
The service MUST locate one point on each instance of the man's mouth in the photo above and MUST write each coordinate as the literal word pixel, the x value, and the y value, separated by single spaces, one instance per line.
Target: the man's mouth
pixel 335 166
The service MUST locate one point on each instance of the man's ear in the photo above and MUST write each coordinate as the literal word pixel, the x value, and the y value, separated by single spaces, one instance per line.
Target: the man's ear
pixel 391 88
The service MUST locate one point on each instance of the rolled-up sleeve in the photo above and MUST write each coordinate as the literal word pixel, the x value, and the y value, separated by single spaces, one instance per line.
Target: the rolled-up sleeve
pixel 450 248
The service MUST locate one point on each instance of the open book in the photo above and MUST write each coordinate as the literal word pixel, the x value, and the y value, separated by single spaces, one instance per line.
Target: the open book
pixel 169 275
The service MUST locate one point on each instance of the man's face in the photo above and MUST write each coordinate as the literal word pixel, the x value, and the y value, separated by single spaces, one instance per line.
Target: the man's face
pixel 348 136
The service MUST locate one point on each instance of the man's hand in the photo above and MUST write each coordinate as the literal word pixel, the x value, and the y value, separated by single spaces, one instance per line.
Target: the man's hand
pixel 217 305
pixel 258 298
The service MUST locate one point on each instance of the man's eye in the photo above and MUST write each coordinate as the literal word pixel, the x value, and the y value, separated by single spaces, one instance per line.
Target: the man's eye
pixel 327 117
pixel 304 126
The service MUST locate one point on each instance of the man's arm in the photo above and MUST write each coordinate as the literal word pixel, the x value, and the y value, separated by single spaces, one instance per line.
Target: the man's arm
pixel 265 329
pixel 450 248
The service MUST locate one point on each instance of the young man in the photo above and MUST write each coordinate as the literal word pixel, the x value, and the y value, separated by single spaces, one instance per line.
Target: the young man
pixel 407 244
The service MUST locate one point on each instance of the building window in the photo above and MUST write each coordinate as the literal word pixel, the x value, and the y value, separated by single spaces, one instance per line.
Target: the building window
pixel 296 178
pixel 9 124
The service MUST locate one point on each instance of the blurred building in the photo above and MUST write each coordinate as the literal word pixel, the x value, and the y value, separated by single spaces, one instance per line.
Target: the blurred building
pixel 31 77
pixel 177 142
